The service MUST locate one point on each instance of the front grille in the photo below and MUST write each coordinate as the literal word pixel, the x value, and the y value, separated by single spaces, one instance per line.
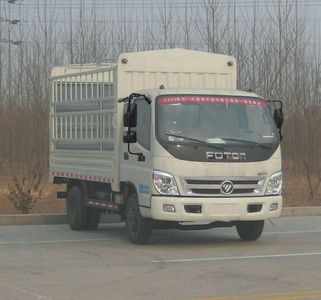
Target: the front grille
pixel 209 186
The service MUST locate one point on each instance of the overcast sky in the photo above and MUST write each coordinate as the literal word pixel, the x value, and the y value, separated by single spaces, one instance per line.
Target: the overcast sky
pixel 135 10
pixel 107 8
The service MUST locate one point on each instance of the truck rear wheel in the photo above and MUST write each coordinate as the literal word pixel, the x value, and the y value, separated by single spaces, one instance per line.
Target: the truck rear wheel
pixel 250 230
pixel 76 210
pixel 139 228
pixel 93 217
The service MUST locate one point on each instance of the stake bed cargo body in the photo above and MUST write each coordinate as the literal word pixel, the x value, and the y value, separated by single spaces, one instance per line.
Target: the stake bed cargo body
pixel 187 146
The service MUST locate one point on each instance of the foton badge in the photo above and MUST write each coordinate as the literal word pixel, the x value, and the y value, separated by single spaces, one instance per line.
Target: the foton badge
pixel 227 187
pixel 226 155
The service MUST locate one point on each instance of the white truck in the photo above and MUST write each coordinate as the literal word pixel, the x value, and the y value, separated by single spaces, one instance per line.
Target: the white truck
pixel 164 139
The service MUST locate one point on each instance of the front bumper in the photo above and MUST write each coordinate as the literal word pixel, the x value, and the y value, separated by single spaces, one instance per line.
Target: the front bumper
pixel 215 209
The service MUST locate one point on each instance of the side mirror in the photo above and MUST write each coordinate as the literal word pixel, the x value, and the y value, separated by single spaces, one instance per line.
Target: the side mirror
pixel 277 107
pixel 278 117
pixel 129 137
pixel 130 121
pixel 130 117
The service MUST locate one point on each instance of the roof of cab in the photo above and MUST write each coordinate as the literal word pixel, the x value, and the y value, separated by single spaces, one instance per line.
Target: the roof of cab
pixel 158 92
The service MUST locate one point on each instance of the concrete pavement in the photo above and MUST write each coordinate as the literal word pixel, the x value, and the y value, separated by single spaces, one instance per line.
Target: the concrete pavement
pixel 53 262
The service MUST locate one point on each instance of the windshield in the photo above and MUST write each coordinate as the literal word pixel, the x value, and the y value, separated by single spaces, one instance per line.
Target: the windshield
pixel 220 120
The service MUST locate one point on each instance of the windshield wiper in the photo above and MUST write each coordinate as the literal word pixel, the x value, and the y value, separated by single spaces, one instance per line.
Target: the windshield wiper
pixel 247 142
pixel 195 140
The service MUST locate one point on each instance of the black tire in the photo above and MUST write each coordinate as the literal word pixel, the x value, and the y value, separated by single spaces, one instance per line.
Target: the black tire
pixel 76 210
pixel 250 230
pixel 138 228
pixel 93 218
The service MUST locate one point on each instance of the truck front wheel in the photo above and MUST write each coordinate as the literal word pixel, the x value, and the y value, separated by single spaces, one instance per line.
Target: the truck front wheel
pixel 250 230
pixel 139 228
pixel 76 210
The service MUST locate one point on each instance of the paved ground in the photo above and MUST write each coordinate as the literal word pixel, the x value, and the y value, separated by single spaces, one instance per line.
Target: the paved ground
pixel 52 262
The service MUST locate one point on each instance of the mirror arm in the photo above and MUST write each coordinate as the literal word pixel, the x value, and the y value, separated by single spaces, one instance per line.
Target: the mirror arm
pixel 276 101
pixel 140 156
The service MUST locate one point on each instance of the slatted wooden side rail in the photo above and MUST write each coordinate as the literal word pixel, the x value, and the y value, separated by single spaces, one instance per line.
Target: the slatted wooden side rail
pixel 83 110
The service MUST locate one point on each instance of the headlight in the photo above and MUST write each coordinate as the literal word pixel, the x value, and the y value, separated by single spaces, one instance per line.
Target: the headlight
pixel 165 183
pixel 274 186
